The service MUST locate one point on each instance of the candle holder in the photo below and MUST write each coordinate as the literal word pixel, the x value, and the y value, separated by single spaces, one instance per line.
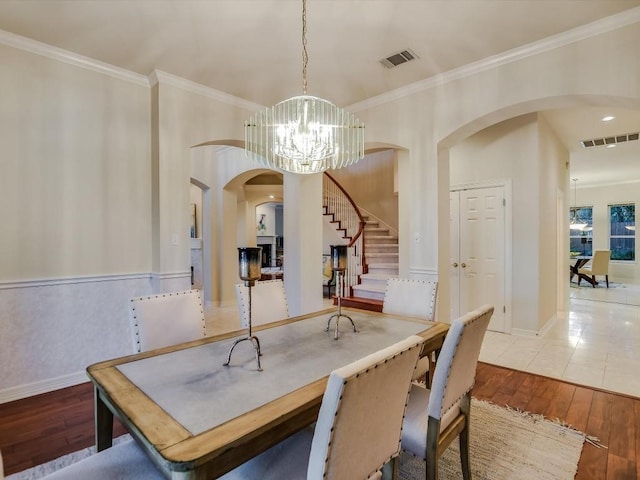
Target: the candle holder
pixel 339 265
pixel 249 262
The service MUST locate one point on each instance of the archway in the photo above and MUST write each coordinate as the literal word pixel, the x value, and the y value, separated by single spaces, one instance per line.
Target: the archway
pixel 550 270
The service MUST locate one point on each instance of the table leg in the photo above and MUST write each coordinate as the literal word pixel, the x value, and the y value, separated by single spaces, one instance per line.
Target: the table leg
pixel 587 278
pixel 103 423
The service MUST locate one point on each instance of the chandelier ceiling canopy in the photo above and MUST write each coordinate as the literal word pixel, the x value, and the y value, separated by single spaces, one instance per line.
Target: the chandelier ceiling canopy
pixel 304 134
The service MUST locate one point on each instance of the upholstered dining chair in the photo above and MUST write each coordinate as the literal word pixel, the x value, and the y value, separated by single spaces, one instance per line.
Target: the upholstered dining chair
pixel 358 427
pixel 166 319
pixel 412 298
pixel 121 462
pixel 268 302
pixel 599 266
pixel 435 417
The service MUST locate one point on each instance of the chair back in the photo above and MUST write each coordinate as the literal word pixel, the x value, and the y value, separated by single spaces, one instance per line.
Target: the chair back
pixel 166 319
pixel 360 420
pixel 455 371
pixel 412 298
pixel 268 302
pixel 600 262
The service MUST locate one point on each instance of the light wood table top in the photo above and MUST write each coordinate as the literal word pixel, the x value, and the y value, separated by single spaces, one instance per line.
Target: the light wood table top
pixel 199 419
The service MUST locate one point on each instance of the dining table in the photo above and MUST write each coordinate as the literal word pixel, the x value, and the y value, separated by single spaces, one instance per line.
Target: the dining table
pixel 574 269
pixel 198 419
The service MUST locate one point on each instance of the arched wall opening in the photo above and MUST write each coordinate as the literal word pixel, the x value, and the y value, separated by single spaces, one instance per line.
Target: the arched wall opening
pixel 224 171
pixel 540 196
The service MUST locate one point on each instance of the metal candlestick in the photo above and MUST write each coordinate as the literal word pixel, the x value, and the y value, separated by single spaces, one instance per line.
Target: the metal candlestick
pixel 249 259
pixel 339 265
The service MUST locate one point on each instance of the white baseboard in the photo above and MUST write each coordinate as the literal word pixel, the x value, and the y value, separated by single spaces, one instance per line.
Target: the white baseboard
pixel 36 388
pixel 535 333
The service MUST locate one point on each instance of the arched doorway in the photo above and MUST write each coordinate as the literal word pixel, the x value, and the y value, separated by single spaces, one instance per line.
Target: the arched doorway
pixel 547 289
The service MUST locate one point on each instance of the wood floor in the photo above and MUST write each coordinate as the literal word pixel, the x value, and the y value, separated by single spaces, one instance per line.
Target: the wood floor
pixel 41 428
pixel 613 419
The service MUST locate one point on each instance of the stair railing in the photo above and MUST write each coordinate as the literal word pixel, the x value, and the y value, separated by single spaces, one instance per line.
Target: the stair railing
pixel 338 203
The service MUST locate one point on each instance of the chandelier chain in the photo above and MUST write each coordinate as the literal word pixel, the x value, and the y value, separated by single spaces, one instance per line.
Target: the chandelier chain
pixel 305 55
pixel 304 134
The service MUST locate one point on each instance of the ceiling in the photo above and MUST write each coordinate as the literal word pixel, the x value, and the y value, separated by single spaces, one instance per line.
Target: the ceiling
pixel 252 49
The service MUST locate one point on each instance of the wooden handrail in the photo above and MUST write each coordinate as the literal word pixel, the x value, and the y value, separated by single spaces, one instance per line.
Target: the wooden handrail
pixel 344 210
pixel 355 208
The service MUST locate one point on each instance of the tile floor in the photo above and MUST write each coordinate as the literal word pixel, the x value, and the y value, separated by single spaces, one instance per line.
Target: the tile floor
pixel 598 344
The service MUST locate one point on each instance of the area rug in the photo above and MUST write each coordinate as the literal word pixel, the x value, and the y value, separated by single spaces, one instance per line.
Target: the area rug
pixel 45 469
pixel 506 444
pixel 600 284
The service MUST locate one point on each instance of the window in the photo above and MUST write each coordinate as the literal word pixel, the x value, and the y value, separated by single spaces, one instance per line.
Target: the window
pixel 581 241
pixel 622 239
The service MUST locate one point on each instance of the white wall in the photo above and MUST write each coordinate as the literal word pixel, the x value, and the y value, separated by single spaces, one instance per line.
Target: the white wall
pixel 433 116
pixel 96 169
pixel 600 198
pixel 370 183
pixel 75 182
pixel 269 212
pixel 524 153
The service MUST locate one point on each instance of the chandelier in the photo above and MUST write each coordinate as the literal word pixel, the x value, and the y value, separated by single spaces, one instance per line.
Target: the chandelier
pixel 576 222
pixel 304 134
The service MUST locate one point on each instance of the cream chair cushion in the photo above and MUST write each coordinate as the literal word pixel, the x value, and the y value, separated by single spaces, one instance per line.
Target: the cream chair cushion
pixel 412 298
pixel 268 303
pixel 123 461
pixel 359 424
pixel 599 266
pixel 166 319
pixel 454 377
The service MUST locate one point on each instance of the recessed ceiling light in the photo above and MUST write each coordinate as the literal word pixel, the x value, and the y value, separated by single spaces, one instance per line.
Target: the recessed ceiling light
pixel 271 196
pixel 613 145
pixel 608 118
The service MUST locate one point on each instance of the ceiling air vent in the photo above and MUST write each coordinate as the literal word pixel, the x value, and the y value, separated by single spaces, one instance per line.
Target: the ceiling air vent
pixel 596 142
pixel 398 58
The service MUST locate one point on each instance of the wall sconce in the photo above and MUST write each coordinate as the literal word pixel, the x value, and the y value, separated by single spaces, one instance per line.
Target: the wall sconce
pixel 249 269
pixel 339 265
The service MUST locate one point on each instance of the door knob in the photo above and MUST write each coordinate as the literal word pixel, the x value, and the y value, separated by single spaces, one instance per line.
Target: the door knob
pixel 464 265
pixel 454 264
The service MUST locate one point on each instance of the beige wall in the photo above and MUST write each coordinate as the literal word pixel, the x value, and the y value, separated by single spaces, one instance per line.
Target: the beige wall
pixel 370 183
pixel 523 153
pixel 553 230
pixel 95 174
pixel 75 176
pixel 600 198
pixel 429 122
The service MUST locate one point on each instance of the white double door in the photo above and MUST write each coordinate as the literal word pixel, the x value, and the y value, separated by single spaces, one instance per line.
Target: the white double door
pixel 477 263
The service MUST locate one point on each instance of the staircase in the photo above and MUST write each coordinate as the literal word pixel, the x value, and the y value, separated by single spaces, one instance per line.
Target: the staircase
pixel 373 249
pixel 382 262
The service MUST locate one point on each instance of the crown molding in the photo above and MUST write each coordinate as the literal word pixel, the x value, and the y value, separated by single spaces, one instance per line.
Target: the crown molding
pixel 65 56
pixel 593 29
pixel 613 22
pixel 158 76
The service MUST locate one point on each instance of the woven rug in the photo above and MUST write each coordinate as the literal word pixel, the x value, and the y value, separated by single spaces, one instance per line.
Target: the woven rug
pixel 45 469
pixel 506 444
